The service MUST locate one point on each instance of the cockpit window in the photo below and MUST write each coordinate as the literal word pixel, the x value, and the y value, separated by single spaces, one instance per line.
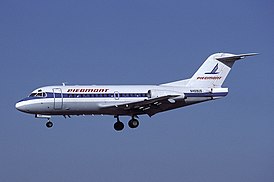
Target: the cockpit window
pixel 38 94
pixel 32 94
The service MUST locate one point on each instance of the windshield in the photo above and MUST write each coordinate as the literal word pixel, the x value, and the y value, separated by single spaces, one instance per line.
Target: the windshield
pixel 38 94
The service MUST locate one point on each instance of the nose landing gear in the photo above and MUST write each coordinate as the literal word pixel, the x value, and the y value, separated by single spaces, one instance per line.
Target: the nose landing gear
pixel 49 124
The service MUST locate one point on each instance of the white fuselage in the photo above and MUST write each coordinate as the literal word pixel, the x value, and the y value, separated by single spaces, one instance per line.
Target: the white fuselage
pixel 105 99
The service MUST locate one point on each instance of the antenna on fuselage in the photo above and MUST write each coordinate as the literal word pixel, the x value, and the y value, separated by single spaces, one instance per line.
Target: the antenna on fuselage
pixel 64 83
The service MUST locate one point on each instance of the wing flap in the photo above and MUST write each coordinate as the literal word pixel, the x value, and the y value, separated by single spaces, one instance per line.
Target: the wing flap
pixel 144 106
pixel 141 104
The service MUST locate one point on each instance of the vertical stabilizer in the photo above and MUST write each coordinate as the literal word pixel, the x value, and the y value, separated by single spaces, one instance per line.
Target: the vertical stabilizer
pixel 214 70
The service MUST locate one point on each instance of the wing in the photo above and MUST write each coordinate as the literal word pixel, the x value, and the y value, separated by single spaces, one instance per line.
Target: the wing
pixel 147 106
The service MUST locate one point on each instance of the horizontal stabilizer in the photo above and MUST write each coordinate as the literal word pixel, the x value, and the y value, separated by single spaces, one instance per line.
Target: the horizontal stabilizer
pixel 235 57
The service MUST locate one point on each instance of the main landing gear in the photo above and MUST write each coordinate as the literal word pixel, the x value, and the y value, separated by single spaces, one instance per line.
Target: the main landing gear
pixel 119 126
pixel 133 123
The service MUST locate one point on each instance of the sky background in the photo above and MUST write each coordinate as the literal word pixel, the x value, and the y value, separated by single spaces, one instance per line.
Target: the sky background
pixel 137 42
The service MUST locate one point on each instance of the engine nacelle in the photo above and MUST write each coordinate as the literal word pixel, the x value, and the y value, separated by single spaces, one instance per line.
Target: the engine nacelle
pixel 154 93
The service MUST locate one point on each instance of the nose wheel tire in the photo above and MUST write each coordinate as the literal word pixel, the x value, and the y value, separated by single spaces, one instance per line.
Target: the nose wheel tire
pixel 118 126
pixel 49 124
pixel 133 123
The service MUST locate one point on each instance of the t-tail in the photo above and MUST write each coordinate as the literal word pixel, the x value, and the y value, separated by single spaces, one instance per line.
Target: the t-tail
pixel 214 70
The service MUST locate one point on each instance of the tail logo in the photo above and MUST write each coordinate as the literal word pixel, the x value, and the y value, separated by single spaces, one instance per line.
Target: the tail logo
pixel 214 70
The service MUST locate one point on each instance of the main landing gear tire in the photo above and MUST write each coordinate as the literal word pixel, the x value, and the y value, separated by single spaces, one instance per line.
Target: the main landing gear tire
pixel 49 124
pixel 119 126
pixel 133 123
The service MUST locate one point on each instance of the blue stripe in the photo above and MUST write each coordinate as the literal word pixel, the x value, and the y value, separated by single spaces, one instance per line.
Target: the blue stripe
pixel 97 95
pixel 120 95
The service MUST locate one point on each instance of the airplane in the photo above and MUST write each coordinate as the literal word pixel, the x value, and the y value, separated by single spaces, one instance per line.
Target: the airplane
pixel 132 100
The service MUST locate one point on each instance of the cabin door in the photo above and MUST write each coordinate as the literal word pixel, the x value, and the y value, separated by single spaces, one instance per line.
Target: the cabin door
pixel 58 98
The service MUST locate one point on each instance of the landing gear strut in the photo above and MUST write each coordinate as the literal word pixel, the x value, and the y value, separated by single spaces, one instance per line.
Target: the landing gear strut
pixel 118 126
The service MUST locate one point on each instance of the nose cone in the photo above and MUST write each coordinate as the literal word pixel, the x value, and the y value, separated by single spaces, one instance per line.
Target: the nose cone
pixel 21 106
